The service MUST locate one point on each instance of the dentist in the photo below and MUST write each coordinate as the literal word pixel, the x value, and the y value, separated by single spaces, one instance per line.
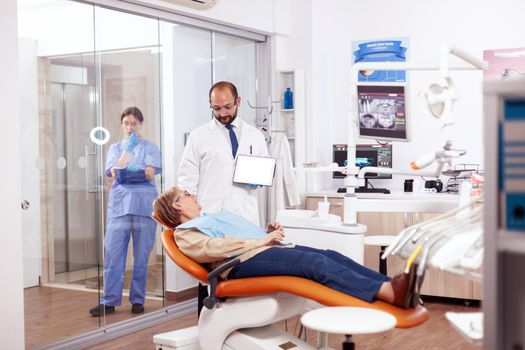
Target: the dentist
pixel 208 162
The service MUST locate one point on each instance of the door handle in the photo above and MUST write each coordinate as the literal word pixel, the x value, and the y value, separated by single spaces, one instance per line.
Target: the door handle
pixel 25 204
pixel 93 188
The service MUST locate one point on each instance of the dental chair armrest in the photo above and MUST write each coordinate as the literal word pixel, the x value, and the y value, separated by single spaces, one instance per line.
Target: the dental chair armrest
pixel 213 279
pixel 223 267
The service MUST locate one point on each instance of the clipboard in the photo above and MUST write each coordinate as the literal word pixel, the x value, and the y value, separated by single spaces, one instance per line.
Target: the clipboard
pixel 254 170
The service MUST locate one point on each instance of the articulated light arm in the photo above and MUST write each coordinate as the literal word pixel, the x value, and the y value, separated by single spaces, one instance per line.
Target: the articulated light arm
pixel 448 50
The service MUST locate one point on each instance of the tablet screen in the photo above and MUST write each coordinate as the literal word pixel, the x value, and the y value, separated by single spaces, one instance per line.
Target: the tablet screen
pixel 254 170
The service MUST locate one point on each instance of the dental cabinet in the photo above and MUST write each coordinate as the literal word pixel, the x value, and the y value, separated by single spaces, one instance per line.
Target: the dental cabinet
pixel 388 214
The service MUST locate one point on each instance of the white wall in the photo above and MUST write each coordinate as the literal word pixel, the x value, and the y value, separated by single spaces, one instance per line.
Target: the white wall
pixel 257 15
pixel 471 25
pixel 12 315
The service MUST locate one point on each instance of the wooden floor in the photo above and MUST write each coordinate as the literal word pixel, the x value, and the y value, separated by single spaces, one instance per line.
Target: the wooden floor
pixel 436 333
pixel 52 314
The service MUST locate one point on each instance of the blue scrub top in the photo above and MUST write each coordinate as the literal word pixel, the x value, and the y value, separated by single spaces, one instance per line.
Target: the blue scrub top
pixel 135 198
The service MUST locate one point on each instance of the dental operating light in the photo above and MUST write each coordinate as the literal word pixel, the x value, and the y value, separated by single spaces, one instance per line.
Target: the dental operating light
pixel 439 100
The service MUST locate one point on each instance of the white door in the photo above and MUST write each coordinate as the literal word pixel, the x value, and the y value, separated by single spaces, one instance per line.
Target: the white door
pixel 29 161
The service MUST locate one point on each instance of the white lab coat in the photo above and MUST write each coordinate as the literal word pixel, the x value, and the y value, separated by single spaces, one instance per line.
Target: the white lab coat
pixel 207 165
pixel 284 191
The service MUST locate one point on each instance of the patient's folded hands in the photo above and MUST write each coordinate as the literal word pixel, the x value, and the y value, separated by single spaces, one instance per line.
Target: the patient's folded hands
pixel 271 239
pixel 272 226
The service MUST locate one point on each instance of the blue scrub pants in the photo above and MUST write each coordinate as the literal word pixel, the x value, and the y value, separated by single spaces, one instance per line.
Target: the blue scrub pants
pixel 118 232
pixel 327 267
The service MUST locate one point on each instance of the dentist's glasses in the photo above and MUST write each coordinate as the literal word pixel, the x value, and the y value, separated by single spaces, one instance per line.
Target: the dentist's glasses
pixel 227 107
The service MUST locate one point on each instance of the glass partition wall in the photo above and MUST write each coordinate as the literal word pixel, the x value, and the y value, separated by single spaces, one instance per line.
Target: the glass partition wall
pixel 81 65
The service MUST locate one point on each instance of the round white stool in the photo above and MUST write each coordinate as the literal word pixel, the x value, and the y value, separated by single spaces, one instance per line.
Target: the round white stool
pixel 382 241
pixel 349 321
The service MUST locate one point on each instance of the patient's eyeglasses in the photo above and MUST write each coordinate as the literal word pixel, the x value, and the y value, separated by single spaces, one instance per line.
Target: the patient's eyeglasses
pixel 182 195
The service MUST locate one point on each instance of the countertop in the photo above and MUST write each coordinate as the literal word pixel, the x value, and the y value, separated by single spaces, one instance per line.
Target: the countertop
pixel 412 202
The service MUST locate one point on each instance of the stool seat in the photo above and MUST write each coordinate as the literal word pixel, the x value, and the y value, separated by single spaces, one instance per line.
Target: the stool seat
pixel 348 320
pixel 380 240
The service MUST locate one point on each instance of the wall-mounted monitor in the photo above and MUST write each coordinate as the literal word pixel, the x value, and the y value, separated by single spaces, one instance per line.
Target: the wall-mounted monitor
pixel 382 113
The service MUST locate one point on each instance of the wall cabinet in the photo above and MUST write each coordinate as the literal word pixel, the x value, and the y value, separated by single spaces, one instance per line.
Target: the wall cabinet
pixel 436 283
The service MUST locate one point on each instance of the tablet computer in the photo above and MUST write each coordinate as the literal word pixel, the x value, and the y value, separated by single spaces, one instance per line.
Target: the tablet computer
pixel 254 170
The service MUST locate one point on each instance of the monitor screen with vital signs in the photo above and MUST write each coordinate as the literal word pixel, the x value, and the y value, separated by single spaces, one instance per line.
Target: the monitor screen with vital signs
pixel 382 112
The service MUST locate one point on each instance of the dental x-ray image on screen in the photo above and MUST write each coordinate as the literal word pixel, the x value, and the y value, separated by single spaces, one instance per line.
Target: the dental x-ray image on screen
pixel 382 112
pixel 254 170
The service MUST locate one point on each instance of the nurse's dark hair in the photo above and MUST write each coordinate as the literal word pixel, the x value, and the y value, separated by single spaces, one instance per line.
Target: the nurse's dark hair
pixel 164 211
pixel 224 85
pixel 134 111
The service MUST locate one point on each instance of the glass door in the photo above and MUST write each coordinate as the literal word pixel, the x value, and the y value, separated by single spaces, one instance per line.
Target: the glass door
pixel 61 167
pixel 76 225
pixel 82 66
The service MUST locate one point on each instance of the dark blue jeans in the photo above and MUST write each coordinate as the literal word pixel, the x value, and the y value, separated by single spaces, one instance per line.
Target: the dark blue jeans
pixel 327 267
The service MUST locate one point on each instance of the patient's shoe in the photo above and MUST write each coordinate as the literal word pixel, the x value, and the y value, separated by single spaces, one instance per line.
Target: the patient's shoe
pixel 406 288
pixel 402 294
pixel 102 309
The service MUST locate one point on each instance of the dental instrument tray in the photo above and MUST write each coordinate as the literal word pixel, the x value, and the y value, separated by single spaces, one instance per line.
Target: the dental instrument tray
pixel 462 172
pixel 254 170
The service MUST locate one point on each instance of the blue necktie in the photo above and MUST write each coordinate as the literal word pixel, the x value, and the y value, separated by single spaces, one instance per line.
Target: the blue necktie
pixel 233 139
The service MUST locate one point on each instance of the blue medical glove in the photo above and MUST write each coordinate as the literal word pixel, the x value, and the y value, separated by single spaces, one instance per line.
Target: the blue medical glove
pixel 132 142
pixel 133 167
pixel 252 186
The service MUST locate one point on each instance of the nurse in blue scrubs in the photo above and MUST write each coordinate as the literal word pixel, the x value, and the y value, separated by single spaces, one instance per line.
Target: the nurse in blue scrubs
pixel 133 164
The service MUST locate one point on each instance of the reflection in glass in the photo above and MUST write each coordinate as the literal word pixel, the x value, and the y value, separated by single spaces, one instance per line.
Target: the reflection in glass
pixel 234 60
pixel 127 66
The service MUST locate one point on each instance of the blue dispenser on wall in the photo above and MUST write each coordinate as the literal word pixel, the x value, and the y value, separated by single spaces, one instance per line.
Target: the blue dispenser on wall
pixel 288 99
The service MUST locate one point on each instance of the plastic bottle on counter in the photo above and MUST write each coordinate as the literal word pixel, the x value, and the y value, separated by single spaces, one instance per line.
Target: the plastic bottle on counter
pixel 288 99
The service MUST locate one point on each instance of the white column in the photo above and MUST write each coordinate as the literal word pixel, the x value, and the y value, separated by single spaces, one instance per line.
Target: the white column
pixel 11 292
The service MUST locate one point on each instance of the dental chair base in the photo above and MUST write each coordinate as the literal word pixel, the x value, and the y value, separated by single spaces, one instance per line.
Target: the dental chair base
pixel 261 338
pixel 216 324
pixel 217 329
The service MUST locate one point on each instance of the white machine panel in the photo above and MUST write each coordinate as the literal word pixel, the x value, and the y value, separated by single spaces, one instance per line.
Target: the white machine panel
pixel 303 227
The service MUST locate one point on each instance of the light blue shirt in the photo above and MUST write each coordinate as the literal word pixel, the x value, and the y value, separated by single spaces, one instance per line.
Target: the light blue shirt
pixel 133 198
pixel 225 224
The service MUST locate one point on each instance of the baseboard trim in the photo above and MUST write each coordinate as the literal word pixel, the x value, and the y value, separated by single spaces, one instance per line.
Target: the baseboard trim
pixel 182 295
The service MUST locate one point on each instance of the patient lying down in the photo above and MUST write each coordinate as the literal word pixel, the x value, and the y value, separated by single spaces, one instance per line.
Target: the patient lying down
pixel 212 238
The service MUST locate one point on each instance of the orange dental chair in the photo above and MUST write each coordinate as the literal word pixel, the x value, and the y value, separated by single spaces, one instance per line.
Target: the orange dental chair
pixel 259 301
